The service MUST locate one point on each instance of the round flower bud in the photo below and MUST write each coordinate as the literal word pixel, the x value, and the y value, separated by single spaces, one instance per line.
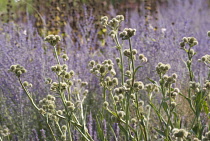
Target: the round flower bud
pixel 109 62
pixel 208 33
pixel 110 67
pixel 121 114
pixel 67 76
pixel 115 81
pixel 141 103
pixel 133 96
pixel 173 104
pixel 49 97
pixel 185 39
pixel 92 63
pixel 116 98
pixel 106 104
pixel 141 56
pixel 69 103
pixel 147 107
pixel 174 75
pixel 60 112
pixel 102 69
pixel 182 44
pixel 25 84
pixel 58 68
pixel 113 72
pixel 167 66
pixel 51 106
pixel 85 92
pixel 134 51
pixel 71 72
pixel 118 60
pixel 121 96
pixel 176 90
pixel 13 67
pixel 63 137
pixel 65 57
pixel 116 90
pixel 71 108
pixel 64 128
pixel 191 40
pixel 133 120
pixel 195 43
pixel 204 58
pixel 84 83
pixel 18 73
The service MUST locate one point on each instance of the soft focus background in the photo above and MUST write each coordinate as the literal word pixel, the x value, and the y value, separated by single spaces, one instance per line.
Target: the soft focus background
pixel 160 25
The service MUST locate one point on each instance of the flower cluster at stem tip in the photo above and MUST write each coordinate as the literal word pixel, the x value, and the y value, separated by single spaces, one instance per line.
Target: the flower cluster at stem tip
pixel 53 39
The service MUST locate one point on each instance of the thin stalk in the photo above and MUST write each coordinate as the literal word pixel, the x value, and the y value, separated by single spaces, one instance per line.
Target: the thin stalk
pixel 69 130
pixel 56 54
pixel 51 131
pixel 121 59
pixel 28 94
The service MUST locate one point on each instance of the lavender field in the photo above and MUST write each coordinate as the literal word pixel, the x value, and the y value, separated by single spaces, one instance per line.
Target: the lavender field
pixel 105 70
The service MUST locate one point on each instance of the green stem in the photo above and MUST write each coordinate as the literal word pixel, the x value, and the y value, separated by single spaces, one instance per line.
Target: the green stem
pixel 56 54
pixel 28 94
pixel 51 131
pixel 69 130
pixel 121 59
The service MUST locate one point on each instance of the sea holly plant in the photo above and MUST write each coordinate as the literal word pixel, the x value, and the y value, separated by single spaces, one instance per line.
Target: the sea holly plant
pixel 198 94
pixel 124 95
pixel 70 115
pixel 123 99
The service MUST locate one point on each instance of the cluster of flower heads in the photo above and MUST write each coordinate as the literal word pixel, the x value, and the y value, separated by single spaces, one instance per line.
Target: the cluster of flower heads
pixel 18 70
pixel 70 105
pixel 168 80
pixel 61 70
pixel 4 132
pixel 208 33
pixel 102 69
pixel 194 86
pixel 142 58
pixel 113 23
pixel 65 57
pixel 132 54
pixel 191 41
pixel 127 33
pixel 48 106
pixel 205 59
pixel 151 87
pixel 137 85
pixel 162 68
pixel 53 39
